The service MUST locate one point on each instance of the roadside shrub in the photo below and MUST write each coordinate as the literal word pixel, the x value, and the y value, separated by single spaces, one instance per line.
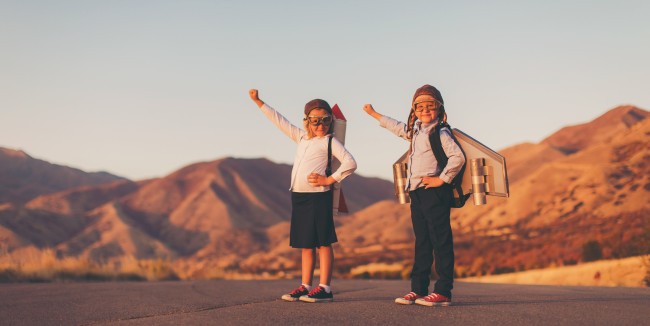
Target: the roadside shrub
pixel 591 251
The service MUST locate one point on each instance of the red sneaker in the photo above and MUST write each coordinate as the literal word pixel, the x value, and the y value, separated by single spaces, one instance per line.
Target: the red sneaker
pixel 434 299
pixel 408 299
pixel 295 294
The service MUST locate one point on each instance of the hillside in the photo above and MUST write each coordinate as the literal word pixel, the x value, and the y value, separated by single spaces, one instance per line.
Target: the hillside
pixel 203 216
pixel 23 177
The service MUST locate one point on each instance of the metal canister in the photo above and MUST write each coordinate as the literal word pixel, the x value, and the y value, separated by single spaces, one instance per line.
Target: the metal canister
pixel 400 179
pixel 478 172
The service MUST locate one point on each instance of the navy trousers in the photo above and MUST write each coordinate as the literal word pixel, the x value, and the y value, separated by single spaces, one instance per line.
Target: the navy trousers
pixel 430 209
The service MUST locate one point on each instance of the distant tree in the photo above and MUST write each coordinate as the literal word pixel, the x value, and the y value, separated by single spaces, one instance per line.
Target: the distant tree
pixel 591 251
pixel 503 270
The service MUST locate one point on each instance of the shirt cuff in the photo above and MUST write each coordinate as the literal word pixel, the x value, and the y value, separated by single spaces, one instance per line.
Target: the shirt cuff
pixel 445 178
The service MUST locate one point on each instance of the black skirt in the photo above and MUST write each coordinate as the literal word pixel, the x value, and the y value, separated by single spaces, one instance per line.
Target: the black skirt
pixel 312 221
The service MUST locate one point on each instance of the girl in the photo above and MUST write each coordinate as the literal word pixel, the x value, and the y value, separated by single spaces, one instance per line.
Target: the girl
pixel 430 192
pixel 312 223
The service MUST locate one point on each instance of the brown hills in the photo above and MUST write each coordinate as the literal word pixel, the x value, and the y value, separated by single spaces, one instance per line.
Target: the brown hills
pixel 584 183
pixel 602 129
pixel 598 174
pixel 205 216
pixel 23 177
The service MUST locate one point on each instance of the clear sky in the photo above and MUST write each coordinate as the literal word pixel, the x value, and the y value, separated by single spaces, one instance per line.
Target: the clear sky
pixel 142 88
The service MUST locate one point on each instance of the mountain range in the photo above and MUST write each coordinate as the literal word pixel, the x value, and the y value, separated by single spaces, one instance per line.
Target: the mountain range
pixel 23 177
pixel 584 183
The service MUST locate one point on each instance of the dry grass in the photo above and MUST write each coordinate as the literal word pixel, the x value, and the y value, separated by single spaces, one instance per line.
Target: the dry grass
pixel 380 271
pixel 32 265
pixel 629 272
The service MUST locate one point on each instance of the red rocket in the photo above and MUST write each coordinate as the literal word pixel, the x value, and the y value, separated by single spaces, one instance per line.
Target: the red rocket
pixel 340 123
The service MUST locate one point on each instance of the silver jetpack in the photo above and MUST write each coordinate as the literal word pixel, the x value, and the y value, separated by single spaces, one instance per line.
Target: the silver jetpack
pixel 485 172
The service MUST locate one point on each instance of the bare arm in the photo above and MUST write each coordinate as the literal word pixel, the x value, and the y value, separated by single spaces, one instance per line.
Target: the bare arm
pixel 392 125
pixel 276 118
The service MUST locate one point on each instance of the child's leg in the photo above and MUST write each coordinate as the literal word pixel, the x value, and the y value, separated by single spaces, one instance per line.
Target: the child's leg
pixel 423 257
pixel 326 255
pixel 308 261
pixel 443 243
pixel 444 252
pixel 323 292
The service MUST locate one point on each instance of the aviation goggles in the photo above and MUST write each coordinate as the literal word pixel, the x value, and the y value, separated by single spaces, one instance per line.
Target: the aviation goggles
pixel 427 105
pixel 315 121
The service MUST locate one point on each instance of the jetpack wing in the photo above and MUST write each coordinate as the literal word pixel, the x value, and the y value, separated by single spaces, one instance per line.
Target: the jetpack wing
pixel 485 170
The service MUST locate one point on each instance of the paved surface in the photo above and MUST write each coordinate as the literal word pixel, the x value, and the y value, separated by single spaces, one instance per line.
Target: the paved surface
pixel 357 302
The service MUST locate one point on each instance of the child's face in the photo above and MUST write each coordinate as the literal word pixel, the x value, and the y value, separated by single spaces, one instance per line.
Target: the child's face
pixel 426 108
pixel 321 129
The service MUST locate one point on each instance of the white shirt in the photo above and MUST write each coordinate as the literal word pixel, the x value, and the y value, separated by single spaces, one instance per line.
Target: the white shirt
pixel 311 154
pixel 422 161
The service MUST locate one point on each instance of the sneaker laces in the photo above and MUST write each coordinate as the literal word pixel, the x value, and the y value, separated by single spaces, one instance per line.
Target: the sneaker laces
pixel 302 288
pixel 316 290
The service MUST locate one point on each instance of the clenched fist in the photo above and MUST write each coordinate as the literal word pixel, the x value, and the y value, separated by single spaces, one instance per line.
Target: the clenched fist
pixel 255 96
pixel 369 109
pixel 253 93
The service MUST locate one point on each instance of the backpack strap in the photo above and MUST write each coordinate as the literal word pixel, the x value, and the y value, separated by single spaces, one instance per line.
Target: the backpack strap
pixel 328 170
pixel 441 157
pixel 436 145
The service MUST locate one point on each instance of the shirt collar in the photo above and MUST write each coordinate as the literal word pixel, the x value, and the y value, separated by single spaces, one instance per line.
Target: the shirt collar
pixel 426 128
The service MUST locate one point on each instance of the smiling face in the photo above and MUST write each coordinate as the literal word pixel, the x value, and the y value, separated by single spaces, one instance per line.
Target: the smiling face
pixel 426 108
pixel 320 117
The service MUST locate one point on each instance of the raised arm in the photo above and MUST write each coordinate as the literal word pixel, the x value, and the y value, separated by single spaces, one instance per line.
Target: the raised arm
pixel 293 132
pixel 394 126
pixel 254 95
pixel 371 111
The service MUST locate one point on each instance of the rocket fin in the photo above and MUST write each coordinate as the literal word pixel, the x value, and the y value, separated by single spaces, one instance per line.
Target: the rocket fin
pixel 336 111
pixel 343 206
pixel 339 127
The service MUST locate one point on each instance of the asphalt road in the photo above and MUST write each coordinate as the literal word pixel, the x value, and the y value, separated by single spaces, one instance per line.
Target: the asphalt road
pixel 357 302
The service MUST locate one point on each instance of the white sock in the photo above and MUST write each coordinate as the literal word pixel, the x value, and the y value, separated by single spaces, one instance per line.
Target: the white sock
pixel 308 287
pixel 326 287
